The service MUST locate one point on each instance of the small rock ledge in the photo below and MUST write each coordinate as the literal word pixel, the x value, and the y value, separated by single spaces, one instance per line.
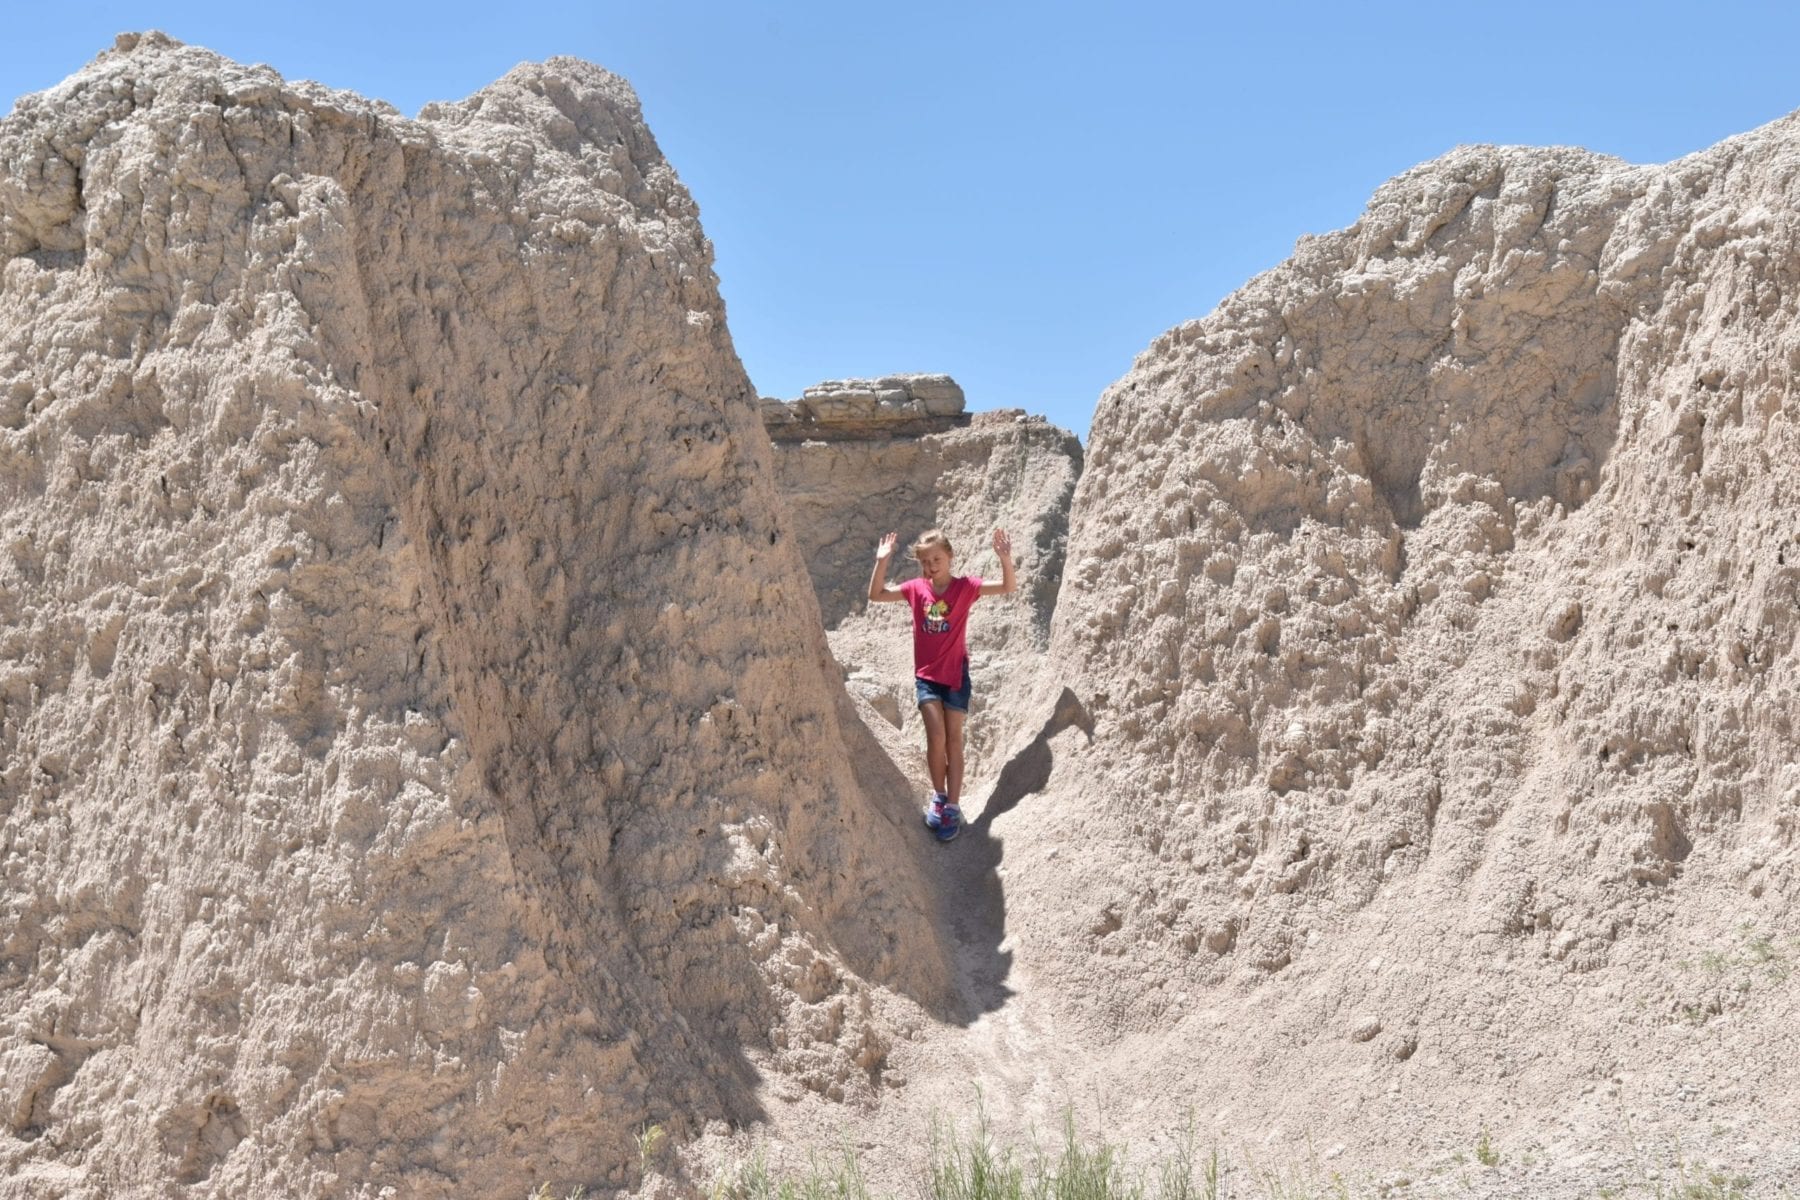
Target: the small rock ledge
pixel 853 409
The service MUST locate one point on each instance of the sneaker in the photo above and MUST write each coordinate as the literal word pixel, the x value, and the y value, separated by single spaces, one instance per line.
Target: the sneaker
pixel 949 823
pixel 934 812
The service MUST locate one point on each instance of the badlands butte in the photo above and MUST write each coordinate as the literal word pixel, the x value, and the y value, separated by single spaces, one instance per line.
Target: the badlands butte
pixel 440 736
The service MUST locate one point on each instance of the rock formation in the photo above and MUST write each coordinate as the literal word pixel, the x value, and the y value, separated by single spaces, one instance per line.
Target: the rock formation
pixel 1435 601
pixel 402 782
pixel 845 409
pixel 422 762
pixel 856 458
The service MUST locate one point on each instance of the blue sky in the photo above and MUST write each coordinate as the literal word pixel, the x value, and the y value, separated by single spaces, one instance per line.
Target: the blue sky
pixel 1021 195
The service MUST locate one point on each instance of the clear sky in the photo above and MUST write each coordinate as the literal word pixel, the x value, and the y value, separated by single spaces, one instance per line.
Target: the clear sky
pixel 1022 195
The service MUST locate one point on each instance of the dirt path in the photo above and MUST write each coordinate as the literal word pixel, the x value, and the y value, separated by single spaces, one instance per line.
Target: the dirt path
pixel 1001 1052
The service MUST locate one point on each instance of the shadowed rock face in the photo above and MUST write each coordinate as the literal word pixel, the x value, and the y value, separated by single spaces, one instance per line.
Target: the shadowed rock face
pixel 1435 601
pixel 416 746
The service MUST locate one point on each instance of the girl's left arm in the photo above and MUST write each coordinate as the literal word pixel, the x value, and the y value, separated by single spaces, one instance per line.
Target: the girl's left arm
pixel 1008 584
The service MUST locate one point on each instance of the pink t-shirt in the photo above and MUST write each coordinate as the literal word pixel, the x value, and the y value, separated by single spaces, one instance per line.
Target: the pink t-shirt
pixel 939 648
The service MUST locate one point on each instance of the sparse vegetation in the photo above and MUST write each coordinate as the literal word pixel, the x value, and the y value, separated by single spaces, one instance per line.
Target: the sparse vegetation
pixel 1693 1183
pixel 1668 1173
pixel 650 1141
pixel 1753 960
pixel 1756 953
pixel 543 1192
pixel 841 1180
pixel 1712 1185
pixel 975 1167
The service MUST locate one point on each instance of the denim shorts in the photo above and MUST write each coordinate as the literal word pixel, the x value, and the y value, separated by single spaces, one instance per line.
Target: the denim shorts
pixel 957 698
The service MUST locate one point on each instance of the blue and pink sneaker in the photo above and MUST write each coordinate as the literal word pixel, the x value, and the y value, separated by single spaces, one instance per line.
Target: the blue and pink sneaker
pixel 943 818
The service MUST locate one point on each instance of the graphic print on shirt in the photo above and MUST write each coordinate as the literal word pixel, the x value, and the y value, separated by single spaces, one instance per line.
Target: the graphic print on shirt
pixel 937 618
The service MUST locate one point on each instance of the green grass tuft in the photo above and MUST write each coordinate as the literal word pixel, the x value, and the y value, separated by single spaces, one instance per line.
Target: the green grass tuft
pixel 976 1167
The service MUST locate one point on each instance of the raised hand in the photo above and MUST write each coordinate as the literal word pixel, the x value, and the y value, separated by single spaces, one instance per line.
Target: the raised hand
pixel 887 546
pixel 1003 545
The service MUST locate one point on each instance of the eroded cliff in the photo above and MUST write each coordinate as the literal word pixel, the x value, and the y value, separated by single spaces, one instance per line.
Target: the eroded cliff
pixel 403 783
pixel 1435 598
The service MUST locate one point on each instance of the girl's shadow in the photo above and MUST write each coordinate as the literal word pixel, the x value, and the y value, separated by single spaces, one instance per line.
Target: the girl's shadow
pixel 974 899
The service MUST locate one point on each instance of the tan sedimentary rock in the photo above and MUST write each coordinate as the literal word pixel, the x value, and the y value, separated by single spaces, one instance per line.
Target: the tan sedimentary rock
pixel 860 471
pixel 849 409
pixel 419 761
pixel 1435 602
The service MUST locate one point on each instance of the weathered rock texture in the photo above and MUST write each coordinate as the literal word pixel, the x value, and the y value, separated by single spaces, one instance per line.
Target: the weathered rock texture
pixel 847 409
pixel 418 761
pixel 1435 599
pixel 862 470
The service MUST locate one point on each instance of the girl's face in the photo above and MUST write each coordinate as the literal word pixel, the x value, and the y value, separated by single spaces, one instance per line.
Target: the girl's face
pixel 934 561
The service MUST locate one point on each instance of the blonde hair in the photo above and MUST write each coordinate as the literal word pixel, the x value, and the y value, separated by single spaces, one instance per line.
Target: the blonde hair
pixel 932 539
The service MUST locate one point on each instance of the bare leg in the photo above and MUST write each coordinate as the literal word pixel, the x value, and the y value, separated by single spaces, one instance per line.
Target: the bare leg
pixel 953 747
pixel 932 713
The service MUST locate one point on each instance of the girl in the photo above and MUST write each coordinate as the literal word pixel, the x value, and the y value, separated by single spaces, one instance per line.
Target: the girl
pixel 940 607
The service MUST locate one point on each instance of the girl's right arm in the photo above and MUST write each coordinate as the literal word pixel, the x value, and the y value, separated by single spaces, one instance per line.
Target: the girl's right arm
pixel 878 589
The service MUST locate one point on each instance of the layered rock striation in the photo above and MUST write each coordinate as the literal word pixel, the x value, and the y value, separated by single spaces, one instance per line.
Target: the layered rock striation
pixel 402 783
pixel 860 409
